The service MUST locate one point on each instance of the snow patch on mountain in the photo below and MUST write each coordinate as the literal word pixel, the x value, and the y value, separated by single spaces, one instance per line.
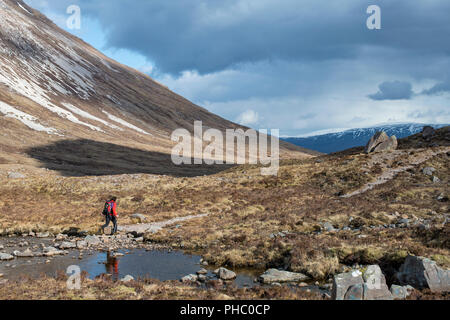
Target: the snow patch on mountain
pixel 124 123
pixel 24 9
pixel 89 116
pixel 28 120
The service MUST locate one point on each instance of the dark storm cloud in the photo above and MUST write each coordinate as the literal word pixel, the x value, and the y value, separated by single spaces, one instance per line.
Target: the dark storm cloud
pixel 439 88
pixel 277 60
pixel 213 35
pixel 395 90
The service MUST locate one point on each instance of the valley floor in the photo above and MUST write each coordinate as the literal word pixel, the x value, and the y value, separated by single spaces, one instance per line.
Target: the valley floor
pixel 301 220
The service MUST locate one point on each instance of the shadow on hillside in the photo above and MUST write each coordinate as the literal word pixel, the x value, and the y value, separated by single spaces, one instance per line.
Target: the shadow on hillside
pixel 92 158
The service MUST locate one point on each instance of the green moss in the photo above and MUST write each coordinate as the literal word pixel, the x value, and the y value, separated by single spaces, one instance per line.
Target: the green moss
pixel 441 260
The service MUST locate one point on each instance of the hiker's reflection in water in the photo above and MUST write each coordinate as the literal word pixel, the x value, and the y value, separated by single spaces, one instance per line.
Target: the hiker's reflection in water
pixel 112 266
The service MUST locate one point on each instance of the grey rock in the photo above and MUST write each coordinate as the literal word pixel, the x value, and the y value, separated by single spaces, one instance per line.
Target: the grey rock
pixel 127 278
pixel 422 273
pixel 52 251
pixel 428 132
pixel 274 275
pixel 81 244
pixel 375 287
pixel 202 271
pixel 189 278
pixel 436 179
pixel 225 274
pixel 67 245
pixel 428 171
pixel 43 235
pixel 61 236
pixel 92 240
pixel 376 140
pixel 328 227
pixel 117 255
pixel 5 256
pixel 355 292
pixel 202 277
pixel 390 144
pixel 140 217
pixel 25 254
pixel 357 286
pixel 16 175
pixel 400 292
pixel 342 283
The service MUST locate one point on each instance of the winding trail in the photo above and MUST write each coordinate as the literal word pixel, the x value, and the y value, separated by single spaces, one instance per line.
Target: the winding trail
pixel 392 173
pixel 157 226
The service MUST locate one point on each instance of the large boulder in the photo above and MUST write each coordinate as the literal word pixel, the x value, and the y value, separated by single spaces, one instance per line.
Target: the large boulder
pixel 375 287
pixel 342 283
pixel 377 139
pixel 423 273
pixel 428 132
pixel 277 276
pixel 381 142
pixel 355 285
pixel 389 145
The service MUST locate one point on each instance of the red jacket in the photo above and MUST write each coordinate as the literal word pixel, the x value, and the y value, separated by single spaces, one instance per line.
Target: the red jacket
pixel 113 207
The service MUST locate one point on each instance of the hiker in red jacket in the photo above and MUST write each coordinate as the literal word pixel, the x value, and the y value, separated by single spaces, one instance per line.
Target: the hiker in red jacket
pixel 110 213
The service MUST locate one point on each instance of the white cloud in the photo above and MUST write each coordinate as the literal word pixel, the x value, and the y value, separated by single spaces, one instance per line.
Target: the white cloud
pixel 248 118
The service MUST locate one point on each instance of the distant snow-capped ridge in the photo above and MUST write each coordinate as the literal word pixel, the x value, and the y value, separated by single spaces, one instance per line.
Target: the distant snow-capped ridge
pixel 349 138
pixel 411 128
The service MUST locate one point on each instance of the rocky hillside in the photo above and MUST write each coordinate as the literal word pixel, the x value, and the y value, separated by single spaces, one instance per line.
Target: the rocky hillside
pixel 66 106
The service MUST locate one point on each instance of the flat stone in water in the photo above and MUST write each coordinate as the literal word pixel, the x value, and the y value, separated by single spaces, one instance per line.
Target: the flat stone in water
pixel 277 276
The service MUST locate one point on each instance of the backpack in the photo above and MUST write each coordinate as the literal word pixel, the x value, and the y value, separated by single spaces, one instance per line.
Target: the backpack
pixel 107 210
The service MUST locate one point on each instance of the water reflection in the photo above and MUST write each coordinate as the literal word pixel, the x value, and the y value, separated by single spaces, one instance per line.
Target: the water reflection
pixel 112 266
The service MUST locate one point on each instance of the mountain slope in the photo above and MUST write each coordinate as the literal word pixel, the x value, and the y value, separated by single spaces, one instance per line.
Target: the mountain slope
pixel 54 87
pixel 334 142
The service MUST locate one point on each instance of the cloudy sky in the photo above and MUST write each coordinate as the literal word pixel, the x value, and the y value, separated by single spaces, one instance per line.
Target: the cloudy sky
pixel 297 65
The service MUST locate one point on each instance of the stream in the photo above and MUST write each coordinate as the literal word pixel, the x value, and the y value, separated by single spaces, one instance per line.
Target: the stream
pixel 139 263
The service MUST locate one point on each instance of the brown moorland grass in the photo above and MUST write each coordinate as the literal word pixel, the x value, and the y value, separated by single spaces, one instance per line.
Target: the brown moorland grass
pixel 145 289
pixel 246 211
